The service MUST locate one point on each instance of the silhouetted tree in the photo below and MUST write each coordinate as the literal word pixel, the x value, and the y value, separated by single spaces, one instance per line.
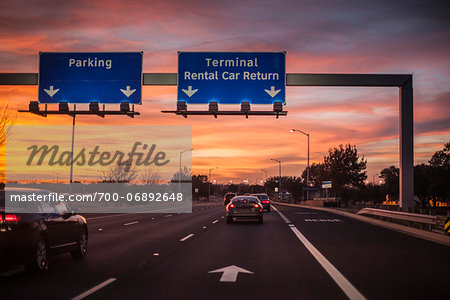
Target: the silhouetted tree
pixel 345 167
pixel 7 118
pixel 441 158
pixel 119 173
pixel 318 172
pixel 290 184
pixel 391 180
pixel 201 183
pixel 182 175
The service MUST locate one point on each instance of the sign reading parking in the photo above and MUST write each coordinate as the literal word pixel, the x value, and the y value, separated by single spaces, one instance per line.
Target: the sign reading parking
pixel 231 77
pixel 94 76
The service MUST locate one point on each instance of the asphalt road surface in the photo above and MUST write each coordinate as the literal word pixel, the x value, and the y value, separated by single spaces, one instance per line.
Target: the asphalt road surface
pixel 297 253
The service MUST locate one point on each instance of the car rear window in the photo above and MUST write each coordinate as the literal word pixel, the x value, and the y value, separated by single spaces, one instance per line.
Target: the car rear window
pixel 245 200
pixel 262 197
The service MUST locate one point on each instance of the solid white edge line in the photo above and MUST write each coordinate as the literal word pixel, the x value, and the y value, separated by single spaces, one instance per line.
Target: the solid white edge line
pixel 187 237
pixel 94 289
pixel 341 281
pixel 131 223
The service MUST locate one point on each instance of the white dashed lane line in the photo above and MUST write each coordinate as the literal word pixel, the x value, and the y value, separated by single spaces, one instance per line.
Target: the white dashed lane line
pixel 187 237
pixel 214 222
pixel 94 289
pixel 131 223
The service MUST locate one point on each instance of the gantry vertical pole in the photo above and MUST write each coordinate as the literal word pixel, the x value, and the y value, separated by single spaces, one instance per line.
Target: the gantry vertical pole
pixel 406 146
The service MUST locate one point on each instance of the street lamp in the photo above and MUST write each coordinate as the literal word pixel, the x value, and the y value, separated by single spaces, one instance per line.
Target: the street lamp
pixel 179 175
pixel 209 181
pixel 307 168
pixel 279 169
pixel 256 183
pixel 261 170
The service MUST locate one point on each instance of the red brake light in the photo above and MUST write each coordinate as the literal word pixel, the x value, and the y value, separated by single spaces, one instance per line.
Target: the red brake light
pixel 256 205
pixel 232 205
pixel 10 218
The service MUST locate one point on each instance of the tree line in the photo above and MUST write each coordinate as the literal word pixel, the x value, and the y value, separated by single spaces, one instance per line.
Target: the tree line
pixel 346 169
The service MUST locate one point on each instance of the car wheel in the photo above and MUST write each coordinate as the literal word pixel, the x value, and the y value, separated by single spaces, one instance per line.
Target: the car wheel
pixel 38 259
pixel 81 250
pixel 229 220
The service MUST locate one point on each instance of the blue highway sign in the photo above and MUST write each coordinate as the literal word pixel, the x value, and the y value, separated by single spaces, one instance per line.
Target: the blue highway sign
pixel 231 77
pixel 94 76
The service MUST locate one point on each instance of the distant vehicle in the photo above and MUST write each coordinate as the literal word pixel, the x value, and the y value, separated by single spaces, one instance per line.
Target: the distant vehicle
pixel 265 201
pixel 285 196
pixel 30 238
pixel 244 207
pixel 228 197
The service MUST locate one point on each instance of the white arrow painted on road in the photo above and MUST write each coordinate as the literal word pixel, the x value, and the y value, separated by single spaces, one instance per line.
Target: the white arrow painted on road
pixel 230 273
pixel 272 92
pixel 51 91
pixel 189 91
pixel 128 92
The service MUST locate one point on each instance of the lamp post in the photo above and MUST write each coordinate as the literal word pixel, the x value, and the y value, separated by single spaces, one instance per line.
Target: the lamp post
pixel 261 170
pixel 209 181
pixel 256 183
pixel 307 168
pixel 179 174
pixel 279 169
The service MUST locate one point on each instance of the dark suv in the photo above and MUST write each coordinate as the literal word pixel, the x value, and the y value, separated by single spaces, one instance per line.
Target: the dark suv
pixel 227 198
pixel 30 232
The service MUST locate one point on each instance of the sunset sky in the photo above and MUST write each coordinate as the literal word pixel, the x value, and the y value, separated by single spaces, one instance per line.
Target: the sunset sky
pixel 411 37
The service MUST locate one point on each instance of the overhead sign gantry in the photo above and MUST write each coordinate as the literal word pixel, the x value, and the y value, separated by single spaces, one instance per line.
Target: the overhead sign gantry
pixel 404 82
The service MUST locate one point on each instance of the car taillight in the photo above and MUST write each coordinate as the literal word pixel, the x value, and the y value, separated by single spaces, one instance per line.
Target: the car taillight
pixel 10 218
pixel 265 201
pixel 255 205
pixel 232 205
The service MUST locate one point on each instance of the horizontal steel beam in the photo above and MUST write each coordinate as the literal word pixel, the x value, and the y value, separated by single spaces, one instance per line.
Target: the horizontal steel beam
pixel 186 113
pixel 381 80
pixel 292 79
pixel 101 113
pixel 18 78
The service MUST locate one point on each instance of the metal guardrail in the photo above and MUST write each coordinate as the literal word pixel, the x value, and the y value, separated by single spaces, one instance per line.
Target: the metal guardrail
pixel 431 221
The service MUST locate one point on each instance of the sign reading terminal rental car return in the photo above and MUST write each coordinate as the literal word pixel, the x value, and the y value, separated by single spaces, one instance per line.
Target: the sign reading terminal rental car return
pixel 106 77
pixel 231 77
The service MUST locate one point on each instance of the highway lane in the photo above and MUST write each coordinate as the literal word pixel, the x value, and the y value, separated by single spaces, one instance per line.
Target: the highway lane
pixel 168 256
pixel 115 249
pixel 381 262
pixel 282 268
